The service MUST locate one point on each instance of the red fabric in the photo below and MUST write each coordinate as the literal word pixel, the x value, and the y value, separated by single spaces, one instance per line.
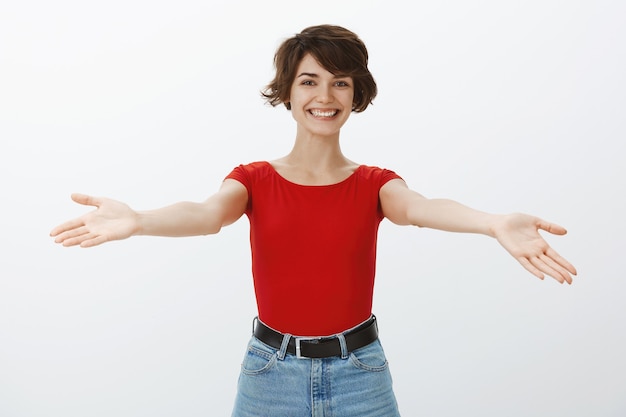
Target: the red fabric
pixel 313 248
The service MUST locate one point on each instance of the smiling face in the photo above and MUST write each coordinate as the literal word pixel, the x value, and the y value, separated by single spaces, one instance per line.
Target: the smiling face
pixel 321 102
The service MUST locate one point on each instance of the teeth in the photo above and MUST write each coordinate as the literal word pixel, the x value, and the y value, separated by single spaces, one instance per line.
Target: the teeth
pixel 319 113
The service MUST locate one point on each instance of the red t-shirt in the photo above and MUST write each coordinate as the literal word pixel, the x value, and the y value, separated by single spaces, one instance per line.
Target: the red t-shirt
pixel 313 248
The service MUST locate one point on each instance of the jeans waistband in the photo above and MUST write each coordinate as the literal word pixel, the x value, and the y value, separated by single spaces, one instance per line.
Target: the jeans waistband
pixel 318 347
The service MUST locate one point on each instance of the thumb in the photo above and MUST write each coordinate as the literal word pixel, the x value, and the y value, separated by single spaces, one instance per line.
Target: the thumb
pixel 86 200
pixel 551 227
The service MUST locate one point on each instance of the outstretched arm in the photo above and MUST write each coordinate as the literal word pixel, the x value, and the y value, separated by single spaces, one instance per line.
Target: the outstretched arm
pixel 517 233
pixel 114 220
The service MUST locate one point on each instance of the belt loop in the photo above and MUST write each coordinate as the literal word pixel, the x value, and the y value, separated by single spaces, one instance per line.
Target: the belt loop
pixel 254 321
pixel 283 346
pixel 344 346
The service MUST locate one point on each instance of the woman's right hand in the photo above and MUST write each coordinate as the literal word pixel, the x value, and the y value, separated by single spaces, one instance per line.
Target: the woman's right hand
pixel 112 220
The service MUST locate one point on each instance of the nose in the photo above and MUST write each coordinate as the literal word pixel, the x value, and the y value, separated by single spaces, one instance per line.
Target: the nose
pixel 324 94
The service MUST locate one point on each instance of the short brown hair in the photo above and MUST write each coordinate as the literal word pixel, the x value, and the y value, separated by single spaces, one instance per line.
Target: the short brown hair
pixel 337 49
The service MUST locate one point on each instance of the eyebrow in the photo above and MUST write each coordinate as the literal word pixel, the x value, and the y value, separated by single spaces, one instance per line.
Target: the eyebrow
pixel 313 75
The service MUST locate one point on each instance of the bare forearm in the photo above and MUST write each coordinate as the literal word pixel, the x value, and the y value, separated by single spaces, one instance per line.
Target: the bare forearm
pixel 450 216
pixel 180 219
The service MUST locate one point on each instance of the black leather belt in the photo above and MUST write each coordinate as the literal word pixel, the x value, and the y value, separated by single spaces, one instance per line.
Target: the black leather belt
pixel 319 347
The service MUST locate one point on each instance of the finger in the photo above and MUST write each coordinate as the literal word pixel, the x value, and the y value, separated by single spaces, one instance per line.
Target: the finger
pixel 86 200
pixel 561 261
pixel 547 266
pixel 72 233
pixel 95 241
pixel 76 239
pixel 555 270
pixel 85 241
pixel 551 227
pixel 531 268
pixel 547 270
pixel 69 225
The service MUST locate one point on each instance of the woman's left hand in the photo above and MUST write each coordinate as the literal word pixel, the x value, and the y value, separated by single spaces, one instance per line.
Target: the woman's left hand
pixel 519 235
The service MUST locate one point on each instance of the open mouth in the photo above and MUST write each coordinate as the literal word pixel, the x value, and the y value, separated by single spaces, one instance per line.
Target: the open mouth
pixel 323 113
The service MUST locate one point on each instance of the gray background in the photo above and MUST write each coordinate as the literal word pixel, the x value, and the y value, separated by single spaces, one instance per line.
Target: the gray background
pixel 504 106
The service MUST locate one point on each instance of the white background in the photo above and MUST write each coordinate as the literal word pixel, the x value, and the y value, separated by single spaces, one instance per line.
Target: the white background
pixel 502 105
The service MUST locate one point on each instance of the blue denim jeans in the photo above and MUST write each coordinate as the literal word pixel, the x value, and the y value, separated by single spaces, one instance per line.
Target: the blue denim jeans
pixel 274 383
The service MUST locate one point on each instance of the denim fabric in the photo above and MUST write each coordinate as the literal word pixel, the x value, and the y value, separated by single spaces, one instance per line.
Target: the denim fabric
pixel 275 384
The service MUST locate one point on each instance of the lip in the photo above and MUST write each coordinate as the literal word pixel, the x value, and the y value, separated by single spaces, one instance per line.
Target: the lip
pixel 323 113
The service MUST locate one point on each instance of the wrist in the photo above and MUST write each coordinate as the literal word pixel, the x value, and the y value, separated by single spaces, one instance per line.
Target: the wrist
pixel 141 223
pixel 495 224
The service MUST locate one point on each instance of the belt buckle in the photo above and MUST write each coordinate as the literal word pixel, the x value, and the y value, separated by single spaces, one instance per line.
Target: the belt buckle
pixel 299 348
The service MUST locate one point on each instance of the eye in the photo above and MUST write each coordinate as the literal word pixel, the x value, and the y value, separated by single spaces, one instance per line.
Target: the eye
pixel 342 84
pixel 308 82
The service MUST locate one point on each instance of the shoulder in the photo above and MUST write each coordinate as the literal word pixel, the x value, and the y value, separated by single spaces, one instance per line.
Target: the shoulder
pixel 375 174
pixel 250 172
pixel 256 166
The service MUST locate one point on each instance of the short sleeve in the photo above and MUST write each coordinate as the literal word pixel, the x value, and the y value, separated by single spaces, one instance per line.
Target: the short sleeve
pixel 388 175
pixel 240 174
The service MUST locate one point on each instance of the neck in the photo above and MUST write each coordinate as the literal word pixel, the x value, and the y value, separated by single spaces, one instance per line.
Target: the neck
pixel 315 161
pixel 316 152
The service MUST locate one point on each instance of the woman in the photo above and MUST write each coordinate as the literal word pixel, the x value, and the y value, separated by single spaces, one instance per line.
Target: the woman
pixel 314 217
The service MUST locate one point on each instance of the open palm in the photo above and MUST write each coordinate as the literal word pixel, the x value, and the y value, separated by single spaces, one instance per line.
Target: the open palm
pixel 519 235
pixel 112 220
